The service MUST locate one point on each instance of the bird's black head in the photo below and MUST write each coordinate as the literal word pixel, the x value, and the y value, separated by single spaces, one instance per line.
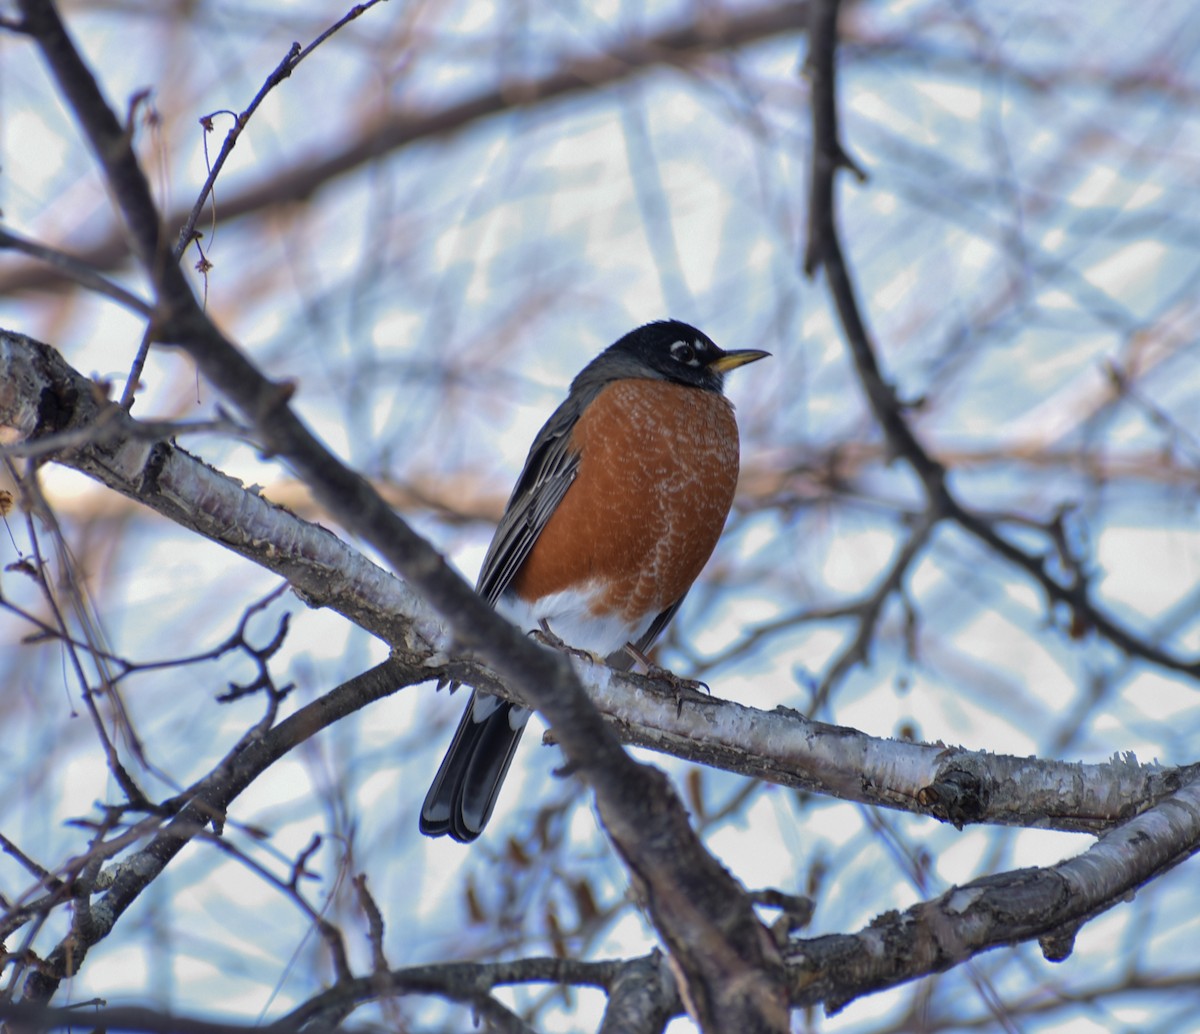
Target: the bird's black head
pixel 672 351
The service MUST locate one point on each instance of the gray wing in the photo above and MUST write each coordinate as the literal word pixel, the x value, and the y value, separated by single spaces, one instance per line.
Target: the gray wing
pixel 549 470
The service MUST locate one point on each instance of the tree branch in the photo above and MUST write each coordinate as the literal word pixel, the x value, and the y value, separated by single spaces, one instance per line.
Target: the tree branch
pixel 42 395
pixel 1048 903
pixel 204 803
pixel 824 251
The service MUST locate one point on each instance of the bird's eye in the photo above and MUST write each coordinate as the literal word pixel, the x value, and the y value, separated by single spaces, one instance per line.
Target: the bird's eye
pixel 684 352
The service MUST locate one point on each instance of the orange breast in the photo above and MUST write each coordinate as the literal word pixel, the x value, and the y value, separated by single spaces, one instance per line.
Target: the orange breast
pixel 658 468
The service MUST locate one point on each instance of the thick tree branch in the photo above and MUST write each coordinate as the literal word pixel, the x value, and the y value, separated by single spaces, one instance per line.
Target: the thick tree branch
pixel 641 997
pixel 1049 904
pixel 43 399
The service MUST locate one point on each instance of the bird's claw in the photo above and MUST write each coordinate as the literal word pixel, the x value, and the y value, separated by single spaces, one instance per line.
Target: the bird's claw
pixel 547 638
pixel 684 689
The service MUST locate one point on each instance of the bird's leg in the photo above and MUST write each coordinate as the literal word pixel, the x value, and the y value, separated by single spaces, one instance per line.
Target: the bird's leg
pixel 546 637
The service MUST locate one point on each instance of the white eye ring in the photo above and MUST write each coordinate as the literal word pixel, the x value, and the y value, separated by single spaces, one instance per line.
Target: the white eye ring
pixel 685 352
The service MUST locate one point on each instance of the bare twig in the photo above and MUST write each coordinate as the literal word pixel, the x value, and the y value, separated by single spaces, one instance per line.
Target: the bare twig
pixel 77 270
pixel 35 504
pixel 210 797
pixel 98 432
pixel 374 923
pixel 868 612
pixel 282 71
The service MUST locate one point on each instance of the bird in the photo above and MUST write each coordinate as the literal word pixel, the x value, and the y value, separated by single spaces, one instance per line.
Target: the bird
pixel 619 506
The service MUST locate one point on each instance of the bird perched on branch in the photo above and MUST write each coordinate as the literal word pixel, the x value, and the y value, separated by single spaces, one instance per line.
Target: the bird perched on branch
pixel 622 499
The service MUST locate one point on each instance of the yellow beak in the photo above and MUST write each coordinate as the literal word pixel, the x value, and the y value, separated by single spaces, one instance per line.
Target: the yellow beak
pixel 738 357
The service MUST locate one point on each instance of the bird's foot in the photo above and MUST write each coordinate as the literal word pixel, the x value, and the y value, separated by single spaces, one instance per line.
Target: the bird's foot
pixel 684 689
pixel 546 637
pixel 677 682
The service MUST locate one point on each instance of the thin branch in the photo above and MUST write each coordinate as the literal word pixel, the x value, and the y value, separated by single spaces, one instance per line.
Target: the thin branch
pixel 125 667
pixel 676 47
pixel 42 875
pixel 459 981
pixel 95 1015
pixel 210 798
pixel 869 610
pixel 75 269
pixel 282 71
pixel 35 504
pixel 290 888
pixel 105 429
pixel 824 251
pixel 374 923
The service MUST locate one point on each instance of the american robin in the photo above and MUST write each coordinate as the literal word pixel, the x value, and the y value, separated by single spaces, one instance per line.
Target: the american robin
pixel 624 494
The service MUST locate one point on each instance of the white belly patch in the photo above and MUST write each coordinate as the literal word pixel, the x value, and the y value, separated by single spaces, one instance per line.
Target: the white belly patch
pixel 570 618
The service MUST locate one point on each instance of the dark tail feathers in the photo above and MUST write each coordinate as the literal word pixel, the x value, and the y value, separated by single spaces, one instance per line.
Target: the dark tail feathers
pixel 463 793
